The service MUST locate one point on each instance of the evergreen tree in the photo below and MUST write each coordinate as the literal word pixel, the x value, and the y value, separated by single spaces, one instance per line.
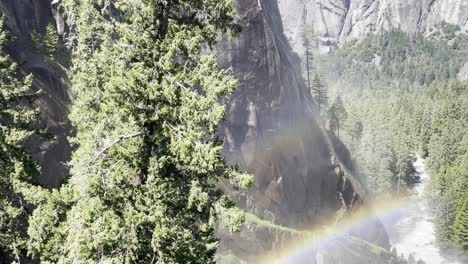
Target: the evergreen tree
pixel 374 159
pixel 52 40
pixel 460 226
pixel 400 86
pixel 445 218
pixel 308 44
pixel 16 166
pixel 37 42
pixel 357 131
pixel 337 115
pixel 319 91
pixel 47 44
pixel 148 102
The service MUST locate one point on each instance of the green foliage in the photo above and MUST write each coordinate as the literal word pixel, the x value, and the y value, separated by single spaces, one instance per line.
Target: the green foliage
pixel 319 92
pixel 309 38
pixel 47 44
pixel 446 144
pixel 460 226
pixel 452 188
pixel 268 224
pixel 337 115
pixel 357 130
pixel 17 169
pixel 317 86
pixel 147 105
pixel 384 151
pixel 445 217
pixel 396 60
pixel 374 157
pixel 37 41
pixel 399 87
pixel 449 33
pixel 52 41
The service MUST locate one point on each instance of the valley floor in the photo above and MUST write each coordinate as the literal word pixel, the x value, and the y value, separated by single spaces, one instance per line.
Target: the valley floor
pixel 412 229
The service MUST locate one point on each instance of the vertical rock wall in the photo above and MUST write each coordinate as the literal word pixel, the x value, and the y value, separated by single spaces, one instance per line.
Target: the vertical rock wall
pixel 271 128
pixel 303 176
pixel 21 17
pixel 337 21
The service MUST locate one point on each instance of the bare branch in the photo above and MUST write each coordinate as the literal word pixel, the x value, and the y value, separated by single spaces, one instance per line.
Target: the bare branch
pixel 104 150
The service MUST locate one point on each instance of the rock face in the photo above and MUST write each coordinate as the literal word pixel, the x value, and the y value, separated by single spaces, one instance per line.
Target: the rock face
pixel 303 174
pixel 21 17
pixel 337 21
pixel 270 128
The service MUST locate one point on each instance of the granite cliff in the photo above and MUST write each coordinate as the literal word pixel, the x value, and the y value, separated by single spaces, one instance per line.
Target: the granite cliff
pixel 304 174
pixel 21 18
pixel 337 21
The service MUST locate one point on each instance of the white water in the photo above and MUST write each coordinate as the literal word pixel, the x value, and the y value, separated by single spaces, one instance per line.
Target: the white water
pixel 412 231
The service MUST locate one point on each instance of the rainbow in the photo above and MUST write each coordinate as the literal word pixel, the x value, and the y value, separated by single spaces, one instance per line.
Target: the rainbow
pixel 256 156
pixel 299 250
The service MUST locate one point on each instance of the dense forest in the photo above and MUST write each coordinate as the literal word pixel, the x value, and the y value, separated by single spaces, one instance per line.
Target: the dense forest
pixel 403 99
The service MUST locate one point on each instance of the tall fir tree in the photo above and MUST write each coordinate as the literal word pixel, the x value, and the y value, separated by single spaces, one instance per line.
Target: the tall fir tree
pixel 16 166
pixel 460 226
pixel 52 41
pixel 309 60
pixel 337 115
pixel 47 44
pixel 357 130
pixel 37 44
pixel 319 91
pixel 148 101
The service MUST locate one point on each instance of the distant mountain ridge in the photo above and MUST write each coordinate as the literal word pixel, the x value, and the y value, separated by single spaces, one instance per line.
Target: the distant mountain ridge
pixel 336 22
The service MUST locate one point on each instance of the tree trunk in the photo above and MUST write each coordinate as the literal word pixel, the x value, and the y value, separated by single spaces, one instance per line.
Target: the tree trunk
pixel 338 125
pixel 307 64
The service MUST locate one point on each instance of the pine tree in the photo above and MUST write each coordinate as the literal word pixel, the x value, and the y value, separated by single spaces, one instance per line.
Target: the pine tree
pixel 337 115
pixel 319 92
pixel 374 158
pixel 460 226
pixel 357 131
pixel 445 217
pixel 47 44
pixel 309 61
pixel 16 166
pixel 52 40
pixel 37 42
pixel 148 102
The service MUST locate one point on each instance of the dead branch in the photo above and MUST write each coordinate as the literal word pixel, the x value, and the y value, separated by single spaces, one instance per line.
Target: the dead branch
pixel 116 141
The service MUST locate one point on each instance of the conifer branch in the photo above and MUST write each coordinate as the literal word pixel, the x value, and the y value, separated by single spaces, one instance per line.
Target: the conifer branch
pixel 122 137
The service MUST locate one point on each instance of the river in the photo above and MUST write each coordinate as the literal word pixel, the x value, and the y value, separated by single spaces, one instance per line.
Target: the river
pixel 412 230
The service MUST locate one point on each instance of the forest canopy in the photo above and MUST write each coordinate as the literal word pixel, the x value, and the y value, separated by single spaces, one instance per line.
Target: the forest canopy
pixel 148 97
pixel 403 98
